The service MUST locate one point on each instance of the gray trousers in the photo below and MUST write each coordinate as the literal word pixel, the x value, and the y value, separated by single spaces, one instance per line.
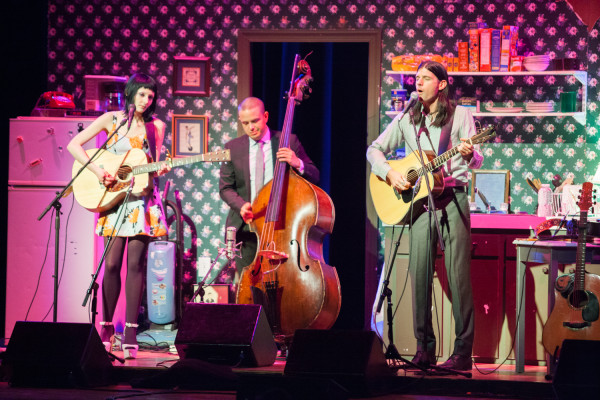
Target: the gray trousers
pixel 455 224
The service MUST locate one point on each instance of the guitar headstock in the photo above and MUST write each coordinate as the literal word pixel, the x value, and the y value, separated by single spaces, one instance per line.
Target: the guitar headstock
pixel 586 197
pixel 217 156
pixel 484 134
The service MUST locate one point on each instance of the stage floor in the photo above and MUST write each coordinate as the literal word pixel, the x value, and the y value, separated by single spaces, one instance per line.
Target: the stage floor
pixel 488 381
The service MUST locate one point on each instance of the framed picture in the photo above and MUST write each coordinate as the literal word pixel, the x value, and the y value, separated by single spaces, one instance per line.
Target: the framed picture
pixel 491 186
pixel 191 76
pixel 190 135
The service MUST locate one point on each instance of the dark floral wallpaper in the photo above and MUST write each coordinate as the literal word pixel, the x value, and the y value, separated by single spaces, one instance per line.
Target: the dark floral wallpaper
pixel 121 37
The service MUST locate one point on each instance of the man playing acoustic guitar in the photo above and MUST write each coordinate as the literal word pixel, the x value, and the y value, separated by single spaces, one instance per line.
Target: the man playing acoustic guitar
pixel 445 126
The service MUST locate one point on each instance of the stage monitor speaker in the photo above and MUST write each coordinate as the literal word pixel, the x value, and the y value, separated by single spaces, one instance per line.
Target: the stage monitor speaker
pixel 229 334
pixel 53 354
pixel 353 359
pixel 578 370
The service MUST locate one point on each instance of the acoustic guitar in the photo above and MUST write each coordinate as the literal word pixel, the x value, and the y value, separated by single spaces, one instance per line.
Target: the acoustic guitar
pixel 130 167
pixel 575 313
pixel 393 205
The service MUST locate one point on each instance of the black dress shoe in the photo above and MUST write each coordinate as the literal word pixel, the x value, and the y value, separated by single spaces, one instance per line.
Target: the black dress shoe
pixel 458 362
pixel 423 359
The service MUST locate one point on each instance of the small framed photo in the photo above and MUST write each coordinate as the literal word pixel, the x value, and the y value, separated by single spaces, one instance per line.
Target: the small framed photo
pixel 490 190
pixel 191 76
pixel 189 135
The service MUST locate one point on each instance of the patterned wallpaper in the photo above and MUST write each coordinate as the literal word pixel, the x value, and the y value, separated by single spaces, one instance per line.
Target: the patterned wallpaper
pixel 121 37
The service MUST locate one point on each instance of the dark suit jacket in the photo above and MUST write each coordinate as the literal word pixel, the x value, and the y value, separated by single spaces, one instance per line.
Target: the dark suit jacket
pixel 234 183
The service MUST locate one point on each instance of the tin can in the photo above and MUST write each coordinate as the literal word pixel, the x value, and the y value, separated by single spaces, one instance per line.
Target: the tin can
pixel 398 99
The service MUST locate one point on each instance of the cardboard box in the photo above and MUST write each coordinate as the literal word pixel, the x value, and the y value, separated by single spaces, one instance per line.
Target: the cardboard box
pixel 463 56
pixel 505 49
pixel 473 50
pixel 496 49
pixel 485 50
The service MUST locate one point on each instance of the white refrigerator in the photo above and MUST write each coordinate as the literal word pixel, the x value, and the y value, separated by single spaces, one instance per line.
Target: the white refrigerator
pixel 40 166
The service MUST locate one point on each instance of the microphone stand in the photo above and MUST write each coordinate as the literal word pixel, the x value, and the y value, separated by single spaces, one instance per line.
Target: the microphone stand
pixel 386 293
pixel 200 290
pixel 55 203
pixel 431 210
pixel 107 246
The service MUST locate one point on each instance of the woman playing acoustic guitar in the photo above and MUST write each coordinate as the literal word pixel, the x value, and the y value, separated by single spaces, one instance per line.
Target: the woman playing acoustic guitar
pixel 135 221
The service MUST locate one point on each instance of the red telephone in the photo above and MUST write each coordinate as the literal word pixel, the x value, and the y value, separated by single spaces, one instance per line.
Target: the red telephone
pixel 56 100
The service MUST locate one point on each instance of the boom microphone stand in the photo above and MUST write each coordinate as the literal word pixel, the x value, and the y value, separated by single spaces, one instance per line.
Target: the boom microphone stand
pixel 55 203
pixel 392 352
pixel 231 251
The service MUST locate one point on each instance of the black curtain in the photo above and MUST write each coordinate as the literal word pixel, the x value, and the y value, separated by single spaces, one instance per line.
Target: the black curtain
pixel 332 126
pixel 25 79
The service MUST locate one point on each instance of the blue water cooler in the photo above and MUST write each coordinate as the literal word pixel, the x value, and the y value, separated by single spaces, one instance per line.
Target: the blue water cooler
pixel 160 282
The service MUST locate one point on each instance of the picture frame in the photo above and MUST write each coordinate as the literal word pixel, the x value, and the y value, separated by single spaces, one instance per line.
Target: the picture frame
pixel 494 186
pixel 191 76
pixel 189 135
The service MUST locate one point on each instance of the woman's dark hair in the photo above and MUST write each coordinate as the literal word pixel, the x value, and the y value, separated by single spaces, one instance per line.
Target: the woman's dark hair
pixel 135 82
pixel 445 108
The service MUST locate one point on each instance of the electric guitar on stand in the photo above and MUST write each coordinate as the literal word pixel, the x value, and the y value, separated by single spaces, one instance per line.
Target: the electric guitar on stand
pixel 575 314
pixel 96 197
pixel 392 205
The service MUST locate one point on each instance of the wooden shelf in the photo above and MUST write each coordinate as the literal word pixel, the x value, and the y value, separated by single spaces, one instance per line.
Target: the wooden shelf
pixel 579 116
pixel 581 76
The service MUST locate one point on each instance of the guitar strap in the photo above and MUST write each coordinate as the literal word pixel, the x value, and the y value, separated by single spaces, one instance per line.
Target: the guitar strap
pixel 151 138
pixel 444 135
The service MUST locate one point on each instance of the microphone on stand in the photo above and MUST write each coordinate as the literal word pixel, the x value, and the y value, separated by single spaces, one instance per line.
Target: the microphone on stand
pixel 130 116
pixel 230 246
pixel 412 101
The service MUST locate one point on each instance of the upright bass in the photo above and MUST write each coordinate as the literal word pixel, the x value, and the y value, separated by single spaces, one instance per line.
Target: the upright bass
pixel 289 276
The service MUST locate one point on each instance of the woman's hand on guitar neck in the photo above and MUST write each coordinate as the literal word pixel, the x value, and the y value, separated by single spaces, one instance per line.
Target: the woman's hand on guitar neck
pixel 164 168
pixel 397 180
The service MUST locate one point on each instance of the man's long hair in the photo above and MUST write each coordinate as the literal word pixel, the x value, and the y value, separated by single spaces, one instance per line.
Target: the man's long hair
pixel 445 108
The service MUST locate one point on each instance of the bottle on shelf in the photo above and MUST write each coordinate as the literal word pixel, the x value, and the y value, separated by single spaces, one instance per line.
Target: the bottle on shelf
pixel 545 201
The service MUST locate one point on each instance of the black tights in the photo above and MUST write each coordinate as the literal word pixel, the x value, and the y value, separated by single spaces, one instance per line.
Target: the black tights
pixel 111 285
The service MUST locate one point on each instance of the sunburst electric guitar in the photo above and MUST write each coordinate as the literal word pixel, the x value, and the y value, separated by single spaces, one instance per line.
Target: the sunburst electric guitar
pixel 393 205
pixel 575 313
pixel 94 196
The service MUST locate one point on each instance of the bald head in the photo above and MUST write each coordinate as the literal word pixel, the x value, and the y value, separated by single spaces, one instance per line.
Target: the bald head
pixel 253 117
pixel 251 102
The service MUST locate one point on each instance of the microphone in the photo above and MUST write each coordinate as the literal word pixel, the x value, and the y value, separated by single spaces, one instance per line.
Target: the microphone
pixel 130 116
pixel 412 101
pixel 230 242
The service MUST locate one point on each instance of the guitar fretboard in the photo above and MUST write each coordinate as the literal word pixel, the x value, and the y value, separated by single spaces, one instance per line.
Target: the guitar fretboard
pixel 217 156
pixel 443 158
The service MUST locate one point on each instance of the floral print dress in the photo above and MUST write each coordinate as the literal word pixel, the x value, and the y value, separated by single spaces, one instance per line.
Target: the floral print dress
pixel 142 215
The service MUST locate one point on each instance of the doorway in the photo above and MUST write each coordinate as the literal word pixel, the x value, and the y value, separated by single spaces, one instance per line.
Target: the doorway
pixel 335 126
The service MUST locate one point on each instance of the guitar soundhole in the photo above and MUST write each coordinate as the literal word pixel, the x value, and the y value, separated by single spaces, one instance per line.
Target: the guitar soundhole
pixel 124 173
pixel 578 299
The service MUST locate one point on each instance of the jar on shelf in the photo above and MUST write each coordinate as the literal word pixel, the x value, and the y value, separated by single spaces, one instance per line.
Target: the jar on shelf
pixel 398 99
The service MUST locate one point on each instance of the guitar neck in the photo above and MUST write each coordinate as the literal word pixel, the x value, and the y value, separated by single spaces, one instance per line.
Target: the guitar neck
pixel 174 162
pixel 579 281
pixel 440 160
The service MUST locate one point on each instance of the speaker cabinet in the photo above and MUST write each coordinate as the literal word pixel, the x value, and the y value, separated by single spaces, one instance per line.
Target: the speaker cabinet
pixel 229 334
pixel 354 359
pixel 51 354
pixel 578 370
